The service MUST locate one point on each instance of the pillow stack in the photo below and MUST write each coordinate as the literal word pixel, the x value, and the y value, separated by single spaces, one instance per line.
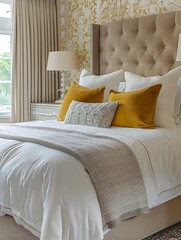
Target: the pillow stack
pixel 165 104
pixel 140 102
pixel 92 89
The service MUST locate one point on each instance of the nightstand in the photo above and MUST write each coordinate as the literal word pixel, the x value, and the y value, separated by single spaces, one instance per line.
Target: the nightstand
pixel 44 111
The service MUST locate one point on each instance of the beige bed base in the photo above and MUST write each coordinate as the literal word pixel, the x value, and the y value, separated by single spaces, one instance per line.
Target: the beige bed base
pixel 142 226
pixel 133 229
pixel 145 46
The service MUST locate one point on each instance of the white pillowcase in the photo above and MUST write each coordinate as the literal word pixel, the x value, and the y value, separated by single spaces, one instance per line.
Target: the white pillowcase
pixel 165 103
pixel 122 87
pixel 110 81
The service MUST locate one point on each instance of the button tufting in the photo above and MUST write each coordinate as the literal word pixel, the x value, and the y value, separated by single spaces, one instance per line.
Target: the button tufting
pixel 136 62
pixel 153 62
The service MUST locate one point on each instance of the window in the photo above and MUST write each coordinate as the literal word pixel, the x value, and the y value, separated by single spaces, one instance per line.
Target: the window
pixel 5 9
pixel 5 58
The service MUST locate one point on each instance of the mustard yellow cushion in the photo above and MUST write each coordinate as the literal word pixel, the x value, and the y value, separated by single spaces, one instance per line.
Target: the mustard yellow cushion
pixel 81 94
pixel 136 109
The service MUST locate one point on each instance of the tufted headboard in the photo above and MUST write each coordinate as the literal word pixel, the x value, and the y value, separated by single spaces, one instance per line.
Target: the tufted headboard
pixel 145 46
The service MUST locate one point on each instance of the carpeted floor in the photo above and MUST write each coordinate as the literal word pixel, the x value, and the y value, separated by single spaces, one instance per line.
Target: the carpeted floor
pixel 170 233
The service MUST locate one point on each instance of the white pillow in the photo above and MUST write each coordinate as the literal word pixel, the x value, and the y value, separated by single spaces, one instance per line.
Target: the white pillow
pixel 165 102
pixel 110 81
pixel 122 87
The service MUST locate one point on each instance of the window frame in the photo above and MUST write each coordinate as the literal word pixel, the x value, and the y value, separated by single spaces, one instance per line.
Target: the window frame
pixel 6 29
pixel 6 23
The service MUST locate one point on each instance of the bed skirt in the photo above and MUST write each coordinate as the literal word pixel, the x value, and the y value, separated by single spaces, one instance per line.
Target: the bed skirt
pixel 134 229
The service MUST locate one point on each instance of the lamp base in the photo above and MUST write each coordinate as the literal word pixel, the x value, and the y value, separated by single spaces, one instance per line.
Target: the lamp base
pixel 58 101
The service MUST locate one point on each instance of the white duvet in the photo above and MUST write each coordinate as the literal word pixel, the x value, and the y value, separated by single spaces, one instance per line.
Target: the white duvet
pixel 50 193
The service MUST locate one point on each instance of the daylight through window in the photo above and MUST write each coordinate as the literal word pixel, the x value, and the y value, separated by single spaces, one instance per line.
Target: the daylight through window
pixel 5 58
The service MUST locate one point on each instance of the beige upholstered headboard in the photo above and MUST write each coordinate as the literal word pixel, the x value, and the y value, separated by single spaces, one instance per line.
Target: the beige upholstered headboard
pixel 145 45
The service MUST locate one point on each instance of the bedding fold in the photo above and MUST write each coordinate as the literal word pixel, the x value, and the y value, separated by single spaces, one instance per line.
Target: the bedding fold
pixel 111 164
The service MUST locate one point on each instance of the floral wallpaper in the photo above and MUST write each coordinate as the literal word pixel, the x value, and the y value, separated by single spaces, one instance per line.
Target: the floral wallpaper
pixel 77 15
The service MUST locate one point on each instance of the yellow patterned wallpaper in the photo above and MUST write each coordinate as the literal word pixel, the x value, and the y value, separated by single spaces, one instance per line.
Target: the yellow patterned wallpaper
pixel 77 15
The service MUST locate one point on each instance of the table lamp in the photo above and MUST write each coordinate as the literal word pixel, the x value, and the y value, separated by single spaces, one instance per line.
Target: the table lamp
pixel 62 61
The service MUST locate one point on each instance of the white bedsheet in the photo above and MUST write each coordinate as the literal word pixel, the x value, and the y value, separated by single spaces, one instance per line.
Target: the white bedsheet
pixel 29 173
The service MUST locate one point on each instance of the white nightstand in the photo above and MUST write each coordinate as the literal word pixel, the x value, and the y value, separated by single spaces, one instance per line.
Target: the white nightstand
pixel 44 111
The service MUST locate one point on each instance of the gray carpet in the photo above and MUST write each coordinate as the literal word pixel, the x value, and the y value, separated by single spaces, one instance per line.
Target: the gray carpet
pixel 170 233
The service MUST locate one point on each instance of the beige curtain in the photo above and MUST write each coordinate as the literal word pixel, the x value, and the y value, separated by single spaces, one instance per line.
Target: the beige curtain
pixel 35 33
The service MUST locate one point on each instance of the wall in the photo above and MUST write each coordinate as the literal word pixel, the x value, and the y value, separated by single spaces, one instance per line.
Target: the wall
pixel 77 15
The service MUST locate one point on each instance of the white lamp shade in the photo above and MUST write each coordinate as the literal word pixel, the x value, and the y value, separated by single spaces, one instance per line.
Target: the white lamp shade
pixel 62 60
pixel 178 58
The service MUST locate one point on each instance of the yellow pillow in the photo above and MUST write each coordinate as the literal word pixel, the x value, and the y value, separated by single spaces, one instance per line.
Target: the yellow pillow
pixel 136 109
pixel 81 94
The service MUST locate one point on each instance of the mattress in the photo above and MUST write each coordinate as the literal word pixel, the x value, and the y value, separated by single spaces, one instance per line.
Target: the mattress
pixel 77 211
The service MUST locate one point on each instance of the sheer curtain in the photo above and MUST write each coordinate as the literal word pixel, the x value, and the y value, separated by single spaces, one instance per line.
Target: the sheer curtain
pixel 35 33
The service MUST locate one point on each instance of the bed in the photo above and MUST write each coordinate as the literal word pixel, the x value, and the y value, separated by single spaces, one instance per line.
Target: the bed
pixel 152 53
